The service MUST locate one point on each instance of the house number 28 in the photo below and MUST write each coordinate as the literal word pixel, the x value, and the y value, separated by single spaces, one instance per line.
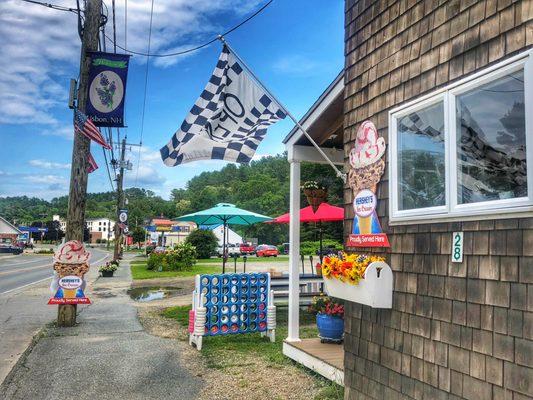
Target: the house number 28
pixel 457 247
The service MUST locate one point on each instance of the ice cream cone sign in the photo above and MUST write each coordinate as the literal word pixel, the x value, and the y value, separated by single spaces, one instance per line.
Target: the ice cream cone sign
pixel 71 263
pixel 367 167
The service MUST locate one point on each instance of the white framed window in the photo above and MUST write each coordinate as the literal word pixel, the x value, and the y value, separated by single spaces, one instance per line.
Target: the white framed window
pixel 466 149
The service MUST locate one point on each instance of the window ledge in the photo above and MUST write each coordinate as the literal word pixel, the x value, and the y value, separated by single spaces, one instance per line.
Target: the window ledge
pixel 522 212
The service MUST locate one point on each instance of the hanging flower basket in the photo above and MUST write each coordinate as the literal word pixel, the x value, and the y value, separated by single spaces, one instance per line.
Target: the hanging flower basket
pixel 359 278
pixel 316 194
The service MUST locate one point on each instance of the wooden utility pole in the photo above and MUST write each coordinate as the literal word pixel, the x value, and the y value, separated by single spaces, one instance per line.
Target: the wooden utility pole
pixel 120 199
pixel 80 152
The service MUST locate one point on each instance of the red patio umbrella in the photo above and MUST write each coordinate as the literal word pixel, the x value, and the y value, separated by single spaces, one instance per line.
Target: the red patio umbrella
pixel 325 213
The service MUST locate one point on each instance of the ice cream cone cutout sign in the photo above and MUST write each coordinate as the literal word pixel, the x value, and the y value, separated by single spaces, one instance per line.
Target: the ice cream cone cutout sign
pixel 367 167
pixel 71 263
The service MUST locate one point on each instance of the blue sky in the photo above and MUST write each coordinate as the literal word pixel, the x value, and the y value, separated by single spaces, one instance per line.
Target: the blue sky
pixel 295 47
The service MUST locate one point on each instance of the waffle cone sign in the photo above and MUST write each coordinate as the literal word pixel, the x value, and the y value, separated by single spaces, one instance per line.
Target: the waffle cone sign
pixel 71 263
pixel 367 167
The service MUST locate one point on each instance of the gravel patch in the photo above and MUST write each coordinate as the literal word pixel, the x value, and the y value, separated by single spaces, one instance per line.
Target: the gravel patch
pixel 243 376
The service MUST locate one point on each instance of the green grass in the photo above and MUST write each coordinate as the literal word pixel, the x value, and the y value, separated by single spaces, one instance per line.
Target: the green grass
pixel 223 352
pixel 139 271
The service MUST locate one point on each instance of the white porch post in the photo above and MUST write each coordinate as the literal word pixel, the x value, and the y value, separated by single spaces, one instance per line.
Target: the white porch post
pixel 294 253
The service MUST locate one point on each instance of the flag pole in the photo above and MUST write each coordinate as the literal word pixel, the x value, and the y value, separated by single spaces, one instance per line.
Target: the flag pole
pixel 339 173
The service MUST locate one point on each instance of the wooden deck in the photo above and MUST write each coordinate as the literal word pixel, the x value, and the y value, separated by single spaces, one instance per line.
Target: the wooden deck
pixel 324 358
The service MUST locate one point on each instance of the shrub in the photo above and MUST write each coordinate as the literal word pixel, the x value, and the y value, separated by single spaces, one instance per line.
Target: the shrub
pixel 182 257
pixel 204 241
pixel 312 247
pixel 155 260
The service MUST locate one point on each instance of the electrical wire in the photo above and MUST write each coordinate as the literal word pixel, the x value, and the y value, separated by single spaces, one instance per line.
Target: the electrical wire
pixel 200 46
pixel 53 6
pixel 145 91
pixel 107 168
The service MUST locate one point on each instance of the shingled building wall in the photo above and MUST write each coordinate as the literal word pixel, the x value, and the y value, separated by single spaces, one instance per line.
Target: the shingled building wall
pixel 455 330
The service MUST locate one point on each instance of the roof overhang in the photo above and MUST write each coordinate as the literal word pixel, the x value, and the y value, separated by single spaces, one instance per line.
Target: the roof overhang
pixel 324 120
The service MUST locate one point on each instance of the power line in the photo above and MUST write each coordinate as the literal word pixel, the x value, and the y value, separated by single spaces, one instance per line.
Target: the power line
pixel 145 90
pixel 53 6
pixel 107 168
pixel 200 46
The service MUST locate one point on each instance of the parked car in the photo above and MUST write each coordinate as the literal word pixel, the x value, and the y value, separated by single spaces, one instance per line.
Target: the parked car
pixel 231 250
pixel 247 248
pixel 10 249
pixel 266 250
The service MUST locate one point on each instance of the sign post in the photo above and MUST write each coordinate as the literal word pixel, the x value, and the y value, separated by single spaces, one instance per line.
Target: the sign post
pixel 71 263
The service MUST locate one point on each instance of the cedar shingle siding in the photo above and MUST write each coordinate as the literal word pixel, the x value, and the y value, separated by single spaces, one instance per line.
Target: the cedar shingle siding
pixel 455 330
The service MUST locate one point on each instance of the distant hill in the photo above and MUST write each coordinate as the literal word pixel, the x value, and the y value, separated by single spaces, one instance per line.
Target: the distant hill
pixel 262 186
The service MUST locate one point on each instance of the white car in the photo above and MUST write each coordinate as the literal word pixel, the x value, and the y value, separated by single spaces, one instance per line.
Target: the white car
pixel 232 250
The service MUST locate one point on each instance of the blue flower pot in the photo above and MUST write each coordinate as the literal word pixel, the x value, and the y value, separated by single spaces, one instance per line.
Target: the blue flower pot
pixel 329 327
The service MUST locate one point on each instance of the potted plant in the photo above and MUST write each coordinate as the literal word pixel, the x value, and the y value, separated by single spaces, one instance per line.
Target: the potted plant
pixel 329 318
pixel 316 193
pixel 365 279
pixel 108 269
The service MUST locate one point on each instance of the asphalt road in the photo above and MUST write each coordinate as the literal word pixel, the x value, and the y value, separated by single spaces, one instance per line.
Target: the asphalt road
pixel 23 270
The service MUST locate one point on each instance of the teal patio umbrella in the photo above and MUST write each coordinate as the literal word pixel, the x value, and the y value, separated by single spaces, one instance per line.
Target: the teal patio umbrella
pixel 225 214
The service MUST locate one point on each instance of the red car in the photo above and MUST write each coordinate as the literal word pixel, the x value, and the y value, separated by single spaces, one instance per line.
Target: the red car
pixel 266 250
pixel 247 248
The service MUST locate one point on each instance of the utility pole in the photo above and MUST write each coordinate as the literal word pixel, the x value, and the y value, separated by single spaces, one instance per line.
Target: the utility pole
pixel 123 165
pixel 120 199
pixel 80 152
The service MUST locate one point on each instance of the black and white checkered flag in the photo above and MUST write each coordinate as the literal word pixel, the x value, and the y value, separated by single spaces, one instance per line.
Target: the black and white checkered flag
pixel 227 122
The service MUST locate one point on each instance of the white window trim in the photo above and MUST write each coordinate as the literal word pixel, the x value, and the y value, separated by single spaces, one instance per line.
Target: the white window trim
pixel 447 95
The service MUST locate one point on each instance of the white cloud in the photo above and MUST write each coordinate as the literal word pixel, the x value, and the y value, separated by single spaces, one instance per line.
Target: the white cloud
pixel 66 132
pixel 258 156
pixel 42 186
pixel 48 164
pixel 47 179
pixel 40 46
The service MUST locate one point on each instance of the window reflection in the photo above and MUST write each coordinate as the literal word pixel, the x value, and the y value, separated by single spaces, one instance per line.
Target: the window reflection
pixel 491 141
pixel 421 169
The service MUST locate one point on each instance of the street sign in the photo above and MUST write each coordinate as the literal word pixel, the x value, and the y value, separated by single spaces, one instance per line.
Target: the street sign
pixel 457 247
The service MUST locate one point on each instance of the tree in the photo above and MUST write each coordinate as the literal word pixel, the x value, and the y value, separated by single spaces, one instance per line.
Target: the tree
pixel 138 236
pixel 205 242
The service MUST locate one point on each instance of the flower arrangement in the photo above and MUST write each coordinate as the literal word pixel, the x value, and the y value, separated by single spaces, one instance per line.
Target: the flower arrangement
pixel 316 193
pixel 347 267
pixel 326 305
pixel 110 266
pixel 313 185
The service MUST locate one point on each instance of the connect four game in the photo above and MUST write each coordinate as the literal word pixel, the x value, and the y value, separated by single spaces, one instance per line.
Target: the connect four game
pixel 226 304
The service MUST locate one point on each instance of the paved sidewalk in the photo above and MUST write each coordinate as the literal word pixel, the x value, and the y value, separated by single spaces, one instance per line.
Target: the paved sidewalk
pixel 106 356
pixel 23 313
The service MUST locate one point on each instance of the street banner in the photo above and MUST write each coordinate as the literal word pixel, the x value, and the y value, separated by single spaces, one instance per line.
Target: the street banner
pixel 123 220
pixel 367 167
pixel 228 121
pixel 107 88
pixel 71 263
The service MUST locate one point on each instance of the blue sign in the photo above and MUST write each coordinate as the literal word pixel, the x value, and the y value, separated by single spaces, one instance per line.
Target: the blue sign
pixel 107 88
